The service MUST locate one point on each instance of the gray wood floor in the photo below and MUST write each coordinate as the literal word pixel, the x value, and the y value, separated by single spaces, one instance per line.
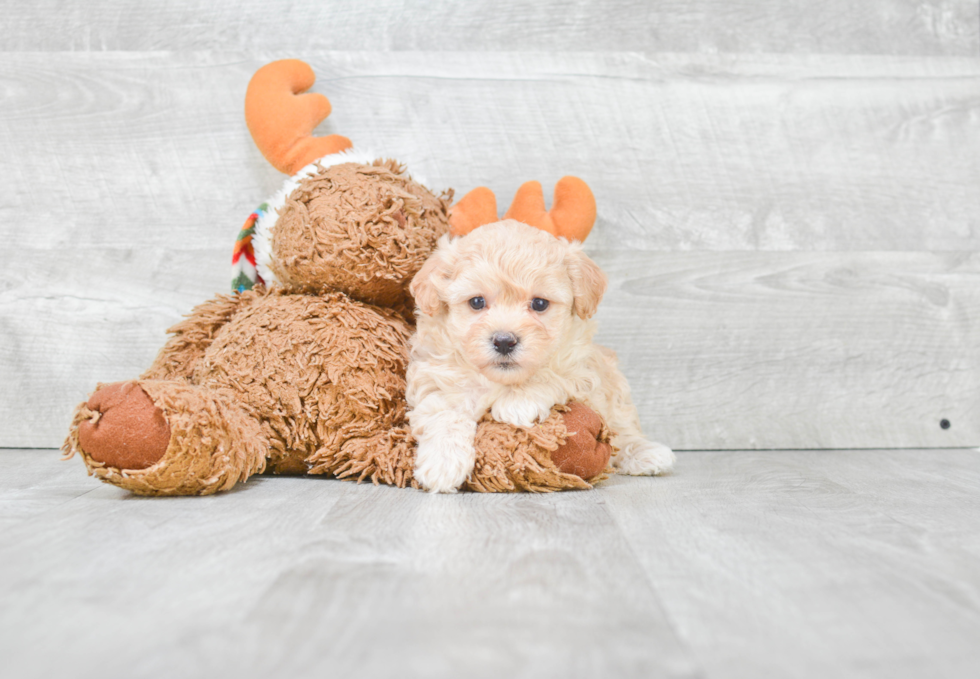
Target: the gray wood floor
pixel 748 564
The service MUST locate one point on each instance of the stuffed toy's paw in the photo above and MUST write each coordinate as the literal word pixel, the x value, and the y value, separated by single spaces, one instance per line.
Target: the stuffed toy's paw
pixel 126 430
pixel 567 451
pixel 159 437
pixel 587 451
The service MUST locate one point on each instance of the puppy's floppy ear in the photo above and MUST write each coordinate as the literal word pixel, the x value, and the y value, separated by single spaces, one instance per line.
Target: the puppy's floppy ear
pixel 428 281
pixel 588 282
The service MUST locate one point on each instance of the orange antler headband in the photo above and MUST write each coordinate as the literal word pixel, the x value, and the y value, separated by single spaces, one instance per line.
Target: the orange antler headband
pixel 282 119
pixel 572 214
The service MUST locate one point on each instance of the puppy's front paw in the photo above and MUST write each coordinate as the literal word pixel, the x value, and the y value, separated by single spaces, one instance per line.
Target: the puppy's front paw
pixel 640 457
pixel 519 412
pixel 440 468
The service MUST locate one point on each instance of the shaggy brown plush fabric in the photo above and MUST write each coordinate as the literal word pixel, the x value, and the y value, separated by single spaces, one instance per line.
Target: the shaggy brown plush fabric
pixel 361 229
pixel 314 370
pixel 388 457
pixel 508 459
pixel 213 445
pixel 192 336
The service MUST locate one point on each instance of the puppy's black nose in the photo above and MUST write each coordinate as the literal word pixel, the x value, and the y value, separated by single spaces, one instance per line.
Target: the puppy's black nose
pixel 504 342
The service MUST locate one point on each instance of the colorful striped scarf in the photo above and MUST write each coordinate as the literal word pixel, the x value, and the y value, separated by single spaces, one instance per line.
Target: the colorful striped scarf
pixel 244 275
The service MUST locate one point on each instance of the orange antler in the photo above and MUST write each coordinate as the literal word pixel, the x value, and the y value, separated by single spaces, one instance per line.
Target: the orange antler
pixel 572 213
pixel 476 208
pixel 282 119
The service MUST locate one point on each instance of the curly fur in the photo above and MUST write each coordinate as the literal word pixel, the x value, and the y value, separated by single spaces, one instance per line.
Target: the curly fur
pixel 359 229
pixel 456 375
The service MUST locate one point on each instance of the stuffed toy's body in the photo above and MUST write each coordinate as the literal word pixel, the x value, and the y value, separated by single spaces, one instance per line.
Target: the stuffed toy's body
pixel 304 372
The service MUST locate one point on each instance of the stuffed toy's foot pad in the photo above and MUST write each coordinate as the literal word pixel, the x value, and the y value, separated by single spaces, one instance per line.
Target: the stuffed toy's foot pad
pixel 128 431
pixel 584 454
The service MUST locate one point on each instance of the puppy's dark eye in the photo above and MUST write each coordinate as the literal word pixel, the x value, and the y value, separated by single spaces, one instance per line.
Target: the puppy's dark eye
pixel 477 303
pixel 539 304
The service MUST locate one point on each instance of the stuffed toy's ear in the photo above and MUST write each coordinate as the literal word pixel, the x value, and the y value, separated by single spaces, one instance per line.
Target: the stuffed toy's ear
pixel 588 283
pixel 426 284
pixel 572 213
pixel 282 119
pixel 476 208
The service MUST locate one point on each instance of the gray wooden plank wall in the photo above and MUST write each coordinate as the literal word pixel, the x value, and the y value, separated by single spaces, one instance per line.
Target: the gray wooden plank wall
pixel 788 204
pixel 914 27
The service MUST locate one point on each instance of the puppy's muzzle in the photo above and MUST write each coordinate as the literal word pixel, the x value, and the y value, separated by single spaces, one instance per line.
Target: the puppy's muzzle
pixel 504 342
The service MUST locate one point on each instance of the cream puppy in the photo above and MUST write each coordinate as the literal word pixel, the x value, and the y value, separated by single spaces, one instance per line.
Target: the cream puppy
pixel 504 325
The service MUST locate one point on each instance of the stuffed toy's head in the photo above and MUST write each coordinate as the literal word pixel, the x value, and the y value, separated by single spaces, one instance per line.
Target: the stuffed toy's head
pixel 344 221
pixel 352 224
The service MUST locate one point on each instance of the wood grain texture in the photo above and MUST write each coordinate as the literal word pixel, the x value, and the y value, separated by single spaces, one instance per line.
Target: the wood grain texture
pixel 815 564
pixel 127 176
pixel 798 350
pixel 313 577
pixel 72 319
pixel 722 350
pixel 922 27
pixel 790 564
pixel 683 153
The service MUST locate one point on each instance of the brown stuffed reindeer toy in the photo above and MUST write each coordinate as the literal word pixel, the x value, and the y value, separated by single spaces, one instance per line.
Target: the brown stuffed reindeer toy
pixel 304 373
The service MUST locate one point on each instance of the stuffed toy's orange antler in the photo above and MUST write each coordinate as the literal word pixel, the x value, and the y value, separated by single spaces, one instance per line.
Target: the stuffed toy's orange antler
pixel 572 213
pixel 282 119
